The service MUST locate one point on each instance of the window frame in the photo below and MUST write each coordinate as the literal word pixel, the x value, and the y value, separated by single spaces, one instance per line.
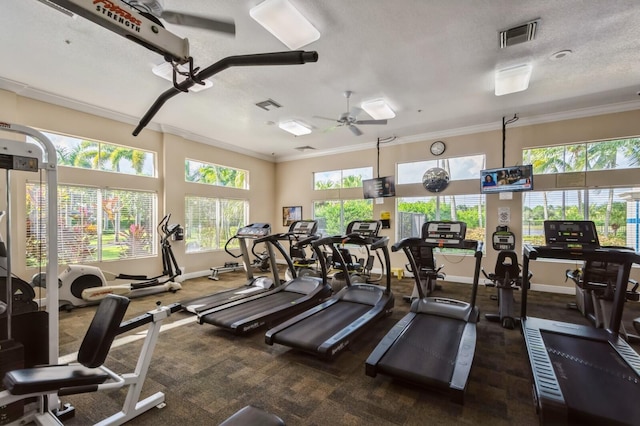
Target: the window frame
pixel 217 167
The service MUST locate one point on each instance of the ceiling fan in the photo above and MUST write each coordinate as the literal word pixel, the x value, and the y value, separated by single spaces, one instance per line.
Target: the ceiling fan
pixel 156 9
pixel 350 118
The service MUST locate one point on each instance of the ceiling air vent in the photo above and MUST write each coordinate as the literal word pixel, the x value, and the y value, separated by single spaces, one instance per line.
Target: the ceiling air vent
pixel 268 105
pixel 304 148
pixel 520 34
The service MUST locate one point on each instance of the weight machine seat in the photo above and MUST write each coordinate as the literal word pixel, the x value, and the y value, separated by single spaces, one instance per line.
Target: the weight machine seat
pixel 251 415
pixel 93 351
pixel 506 274
pixel 426 263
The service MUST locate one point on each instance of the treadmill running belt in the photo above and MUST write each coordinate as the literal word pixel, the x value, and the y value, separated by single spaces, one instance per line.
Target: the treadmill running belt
pixel 597 385
pixel 227 317
pixel 313 331
pixel 426 352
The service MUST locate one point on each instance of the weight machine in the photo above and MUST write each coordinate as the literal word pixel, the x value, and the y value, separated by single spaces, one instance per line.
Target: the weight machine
pixel 123 19
pixel 38 157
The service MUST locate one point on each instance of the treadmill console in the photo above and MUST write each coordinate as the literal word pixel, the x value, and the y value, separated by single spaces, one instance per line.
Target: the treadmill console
pixel 365 228
pixel 571 234
pixel 304 227
pixel 445 232
pixel 254 230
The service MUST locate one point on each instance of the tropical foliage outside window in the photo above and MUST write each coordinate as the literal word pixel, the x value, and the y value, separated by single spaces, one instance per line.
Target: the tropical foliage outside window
pixel 333 216
pixel 210 222
pixel 613 210
pixel 213 174
pixel 459 168
pixel 347 178
pixel 94 224
pixel 413 212
pixel 86 154
pixel 588 156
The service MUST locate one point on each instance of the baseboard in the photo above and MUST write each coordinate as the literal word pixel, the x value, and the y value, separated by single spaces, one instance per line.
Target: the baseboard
pixel 547 288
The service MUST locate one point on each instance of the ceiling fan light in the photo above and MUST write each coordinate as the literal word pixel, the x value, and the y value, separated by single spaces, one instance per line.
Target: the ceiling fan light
pixel 285 22
pixel 294 127
pixel 165 70
pixel 378 109
pixel 513 79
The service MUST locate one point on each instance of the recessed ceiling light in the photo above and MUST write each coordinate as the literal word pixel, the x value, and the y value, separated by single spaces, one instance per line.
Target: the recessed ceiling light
pixel 165 70
pixel 378 109
pixel 294 127
pixel 513 79
pixel 285 22
pixel 561 54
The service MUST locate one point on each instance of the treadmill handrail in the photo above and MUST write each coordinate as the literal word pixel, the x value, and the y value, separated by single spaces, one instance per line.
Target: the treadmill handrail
pixel 417 241
pixel 623 257
pixel 376 243
pixel 406 243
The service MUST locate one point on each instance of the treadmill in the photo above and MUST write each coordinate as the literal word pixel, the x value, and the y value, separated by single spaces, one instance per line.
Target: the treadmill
pixel 327 329
pixel 434 344
pixel 253 285
pixel 268 308
pixel 581 374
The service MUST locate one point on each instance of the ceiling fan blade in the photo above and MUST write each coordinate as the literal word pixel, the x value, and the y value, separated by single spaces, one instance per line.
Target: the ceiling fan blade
pixel 332 128
pixel 355 111
pixel 355 130
pixel 228 27
pixel 371 122
pixel 324 118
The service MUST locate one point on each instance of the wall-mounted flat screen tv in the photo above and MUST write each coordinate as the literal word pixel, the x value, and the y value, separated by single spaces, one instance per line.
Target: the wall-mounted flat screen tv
pixel 506 179
pixel 379 187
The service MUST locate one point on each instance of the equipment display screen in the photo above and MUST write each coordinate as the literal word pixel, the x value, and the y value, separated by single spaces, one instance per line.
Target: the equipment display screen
pixel 576 233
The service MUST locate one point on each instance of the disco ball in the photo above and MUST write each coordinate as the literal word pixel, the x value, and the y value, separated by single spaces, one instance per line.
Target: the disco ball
pixel 435 179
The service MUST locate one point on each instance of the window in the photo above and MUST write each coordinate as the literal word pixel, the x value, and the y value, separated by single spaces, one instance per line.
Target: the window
pixel 86 154
pixel 94 224
pixel 459 168
pixel 413 212
pixel 348 178
pixel 601 155
pixel 213 174
pixel 333 216
pixel 615 211
pixel 210 222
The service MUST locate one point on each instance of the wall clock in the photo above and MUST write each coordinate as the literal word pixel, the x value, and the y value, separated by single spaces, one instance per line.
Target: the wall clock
pixel 437 148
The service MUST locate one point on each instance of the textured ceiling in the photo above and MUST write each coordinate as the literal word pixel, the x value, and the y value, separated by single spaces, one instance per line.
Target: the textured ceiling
pixel 433 60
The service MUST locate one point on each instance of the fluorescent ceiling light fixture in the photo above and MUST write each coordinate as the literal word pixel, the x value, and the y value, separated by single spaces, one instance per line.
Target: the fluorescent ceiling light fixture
pixel 378 109
pixel 513 79
pixel 165 70
pixel 294 127
pixel 285 22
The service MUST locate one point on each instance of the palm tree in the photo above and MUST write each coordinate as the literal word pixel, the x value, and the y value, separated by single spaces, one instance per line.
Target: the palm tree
pixel 603 156
pixel 134 156
pixel 93 154
pixel 351 181
pixel 547 160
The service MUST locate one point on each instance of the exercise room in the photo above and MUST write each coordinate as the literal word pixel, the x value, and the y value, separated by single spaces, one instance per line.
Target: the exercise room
pixel 270 212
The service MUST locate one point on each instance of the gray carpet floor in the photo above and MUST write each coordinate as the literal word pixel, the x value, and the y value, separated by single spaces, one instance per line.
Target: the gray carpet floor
pixel 207 374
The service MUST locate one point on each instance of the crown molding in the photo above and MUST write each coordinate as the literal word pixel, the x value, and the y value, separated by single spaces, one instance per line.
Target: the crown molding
pixel 54 99
pixel 40 95
pixel 480 128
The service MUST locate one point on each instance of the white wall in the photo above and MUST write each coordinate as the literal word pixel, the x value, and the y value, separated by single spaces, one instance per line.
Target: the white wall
pixel 294 179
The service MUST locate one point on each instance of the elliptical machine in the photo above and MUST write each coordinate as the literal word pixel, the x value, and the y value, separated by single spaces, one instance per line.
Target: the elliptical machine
pixel 506 277
pixel 82 285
